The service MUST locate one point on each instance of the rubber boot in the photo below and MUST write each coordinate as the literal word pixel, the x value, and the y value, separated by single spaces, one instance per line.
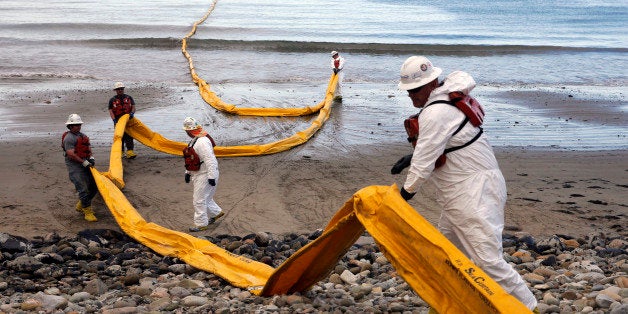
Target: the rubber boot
pixel 130 154
pixel 89 214
pixel 79 207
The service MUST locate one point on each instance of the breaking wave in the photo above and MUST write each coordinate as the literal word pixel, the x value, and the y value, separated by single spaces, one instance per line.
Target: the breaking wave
pixel 314 47
pixel 46 75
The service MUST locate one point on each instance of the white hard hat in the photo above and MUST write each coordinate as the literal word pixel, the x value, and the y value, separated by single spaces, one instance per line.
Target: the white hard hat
pixel 333 53
pixel 190 124
pixel 118 85
pixel 416 72
pixel 74 119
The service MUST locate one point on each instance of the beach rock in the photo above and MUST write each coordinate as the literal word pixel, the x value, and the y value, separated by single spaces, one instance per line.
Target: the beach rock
pixel 80 297
pixel 603 300
pixel 13 244
pixel 51 302
pixel 95 287
pixel 30 305
pixel 589 276
pixel 620 309
pixel 585 266
pixel 262 239
pixel 533 278
pixel 349 277
pixel 550 299
pixel 613 292
pixel 618 244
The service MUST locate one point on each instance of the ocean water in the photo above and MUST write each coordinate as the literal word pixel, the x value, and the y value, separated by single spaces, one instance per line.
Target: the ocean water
pixel 276 53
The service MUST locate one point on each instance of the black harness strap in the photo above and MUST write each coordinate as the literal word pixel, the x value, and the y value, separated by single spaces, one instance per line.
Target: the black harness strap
pixel 466 120
pixel 475 138
pixel 461 125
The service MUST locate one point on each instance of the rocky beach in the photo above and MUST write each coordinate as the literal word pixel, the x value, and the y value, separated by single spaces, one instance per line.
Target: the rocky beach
pixel 104 271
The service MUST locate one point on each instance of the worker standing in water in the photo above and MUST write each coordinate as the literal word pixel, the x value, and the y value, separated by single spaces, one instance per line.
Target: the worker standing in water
pixel 337 64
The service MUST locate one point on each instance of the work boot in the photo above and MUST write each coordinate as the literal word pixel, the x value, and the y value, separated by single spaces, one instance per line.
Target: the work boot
pixel 89 214
pixel 79 207
pixel 130 154
pixel 198 228
pixel 213 219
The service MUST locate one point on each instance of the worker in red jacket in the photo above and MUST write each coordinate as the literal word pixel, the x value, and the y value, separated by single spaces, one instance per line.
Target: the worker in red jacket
pixel 78 160
pixel 119 105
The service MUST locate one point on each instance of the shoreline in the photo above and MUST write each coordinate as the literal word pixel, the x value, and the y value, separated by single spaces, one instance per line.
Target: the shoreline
pixel 296 191
pixel 582 118
pixel 549 191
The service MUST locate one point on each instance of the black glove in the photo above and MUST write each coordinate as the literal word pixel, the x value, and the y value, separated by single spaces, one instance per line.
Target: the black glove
pixel 131 115
pixel 211 182
pixel 92 161
pixel 406 195
pixel 187 178
pixel 401 164
pixel 336 71
pixel 115 120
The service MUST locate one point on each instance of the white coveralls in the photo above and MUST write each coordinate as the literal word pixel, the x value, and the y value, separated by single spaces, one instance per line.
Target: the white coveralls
pixel 341 74
pixel 203 197
pixel 472 188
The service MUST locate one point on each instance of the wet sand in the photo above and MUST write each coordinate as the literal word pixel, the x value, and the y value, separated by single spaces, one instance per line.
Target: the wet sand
pixel 549 192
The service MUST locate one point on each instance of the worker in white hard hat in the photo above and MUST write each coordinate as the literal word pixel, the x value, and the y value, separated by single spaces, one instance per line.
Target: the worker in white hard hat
pixel 337 64
pixel 201 168
pixel 471 187
pixel 119 105
pixel 78 160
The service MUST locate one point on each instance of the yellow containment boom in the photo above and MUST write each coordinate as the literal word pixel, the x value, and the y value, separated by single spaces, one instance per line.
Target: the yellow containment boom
pixel 440 273
pixel 136 129
pixel 434 268
pixel 212 99
pixel 115 173
pixel 202 254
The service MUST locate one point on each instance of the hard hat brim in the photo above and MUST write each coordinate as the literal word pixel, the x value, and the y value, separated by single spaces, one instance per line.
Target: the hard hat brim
pixel 416 84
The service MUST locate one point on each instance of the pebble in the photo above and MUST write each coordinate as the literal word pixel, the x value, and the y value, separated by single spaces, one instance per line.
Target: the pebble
pixel 105 271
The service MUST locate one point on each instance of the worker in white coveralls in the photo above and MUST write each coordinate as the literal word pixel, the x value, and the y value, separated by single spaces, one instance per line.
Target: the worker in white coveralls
pixel 337 64
pixel 201 167
pixel 472 189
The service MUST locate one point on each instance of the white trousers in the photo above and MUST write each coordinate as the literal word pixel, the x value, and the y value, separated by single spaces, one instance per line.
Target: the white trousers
pixel 203 200
pixel 473 220
pixel 338 92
